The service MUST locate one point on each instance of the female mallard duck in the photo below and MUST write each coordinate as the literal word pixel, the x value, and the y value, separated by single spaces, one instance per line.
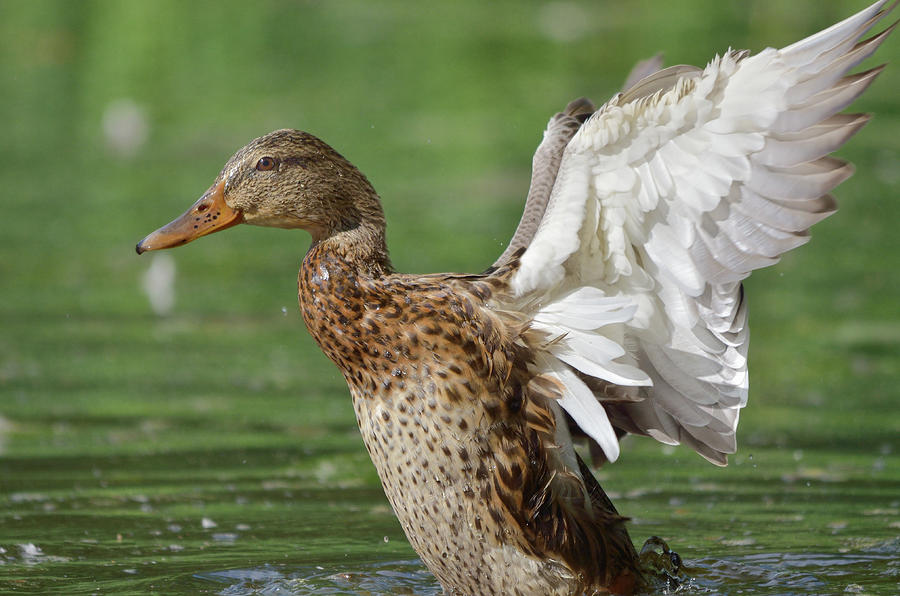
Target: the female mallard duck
pixel 617 307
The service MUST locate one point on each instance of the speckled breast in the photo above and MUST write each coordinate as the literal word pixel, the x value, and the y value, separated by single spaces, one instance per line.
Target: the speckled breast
pixel 435 396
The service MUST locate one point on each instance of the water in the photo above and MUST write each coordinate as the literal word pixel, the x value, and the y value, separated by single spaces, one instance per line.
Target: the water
pixel 774 573
pixel 300 521
pixel 390 577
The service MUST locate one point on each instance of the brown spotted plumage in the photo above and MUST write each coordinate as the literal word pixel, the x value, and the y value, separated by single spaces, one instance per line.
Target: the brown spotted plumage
pixel 459 430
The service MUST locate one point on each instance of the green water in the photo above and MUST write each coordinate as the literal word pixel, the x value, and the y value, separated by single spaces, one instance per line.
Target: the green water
pixel 308 519
pixel 213 449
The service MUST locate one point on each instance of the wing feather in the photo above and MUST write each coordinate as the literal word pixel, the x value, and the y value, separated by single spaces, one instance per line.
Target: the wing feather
pixel 664 200
pixel 811 143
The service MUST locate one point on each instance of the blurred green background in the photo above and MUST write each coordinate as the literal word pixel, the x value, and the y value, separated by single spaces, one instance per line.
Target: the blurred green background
pixel 115 421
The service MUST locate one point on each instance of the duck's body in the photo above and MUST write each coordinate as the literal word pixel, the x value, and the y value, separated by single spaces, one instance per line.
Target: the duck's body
pixel 618 307
pixel 462 443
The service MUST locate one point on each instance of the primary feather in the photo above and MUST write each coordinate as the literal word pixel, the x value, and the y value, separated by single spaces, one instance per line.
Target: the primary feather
pixel 663 201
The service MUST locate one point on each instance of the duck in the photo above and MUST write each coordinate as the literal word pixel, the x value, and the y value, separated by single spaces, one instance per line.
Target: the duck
pixel 617 307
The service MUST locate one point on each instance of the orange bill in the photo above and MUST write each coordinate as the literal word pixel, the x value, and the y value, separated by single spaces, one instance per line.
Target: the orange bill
pixel 209 214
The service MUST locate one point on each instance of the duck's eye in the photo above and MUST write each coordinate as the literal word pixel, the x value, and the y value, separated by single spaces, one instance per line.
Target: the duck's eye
pixel 265 163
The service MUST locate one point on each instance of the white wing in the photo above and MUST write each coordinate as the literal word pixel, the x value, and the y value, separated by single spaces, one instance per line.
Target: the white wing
pixel 665 199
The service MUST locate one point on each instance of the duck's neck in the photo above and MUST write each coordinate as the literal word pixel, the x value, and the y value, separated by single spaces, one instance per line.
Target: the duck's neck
pixel 360 251
pixel 352 229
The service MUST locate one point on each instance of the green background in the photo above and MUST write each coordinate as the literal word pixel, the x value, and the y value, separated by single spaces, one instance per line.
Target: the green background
pixel 121 430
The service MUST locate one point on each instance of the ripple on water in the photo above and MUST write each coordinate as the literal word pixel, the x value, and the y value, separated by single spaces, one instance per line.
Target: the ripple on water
pixel 760 574
pixel 796 573
pixel 395 577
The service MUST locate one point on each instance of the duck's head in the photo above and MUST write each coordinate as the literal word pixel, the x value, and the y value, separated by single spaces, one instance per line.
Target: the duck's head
pixel 285 179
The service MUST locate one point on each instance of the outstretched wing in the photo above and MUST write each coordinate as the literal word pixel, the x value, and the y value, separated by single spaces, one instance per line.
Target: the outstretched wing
pixel 665 199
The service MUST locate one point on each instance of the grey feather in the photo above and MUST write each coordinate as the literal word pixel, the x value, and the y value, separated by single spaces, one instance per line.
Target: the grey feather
pixel 544 167
pixel 662 80
pixel 641 70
